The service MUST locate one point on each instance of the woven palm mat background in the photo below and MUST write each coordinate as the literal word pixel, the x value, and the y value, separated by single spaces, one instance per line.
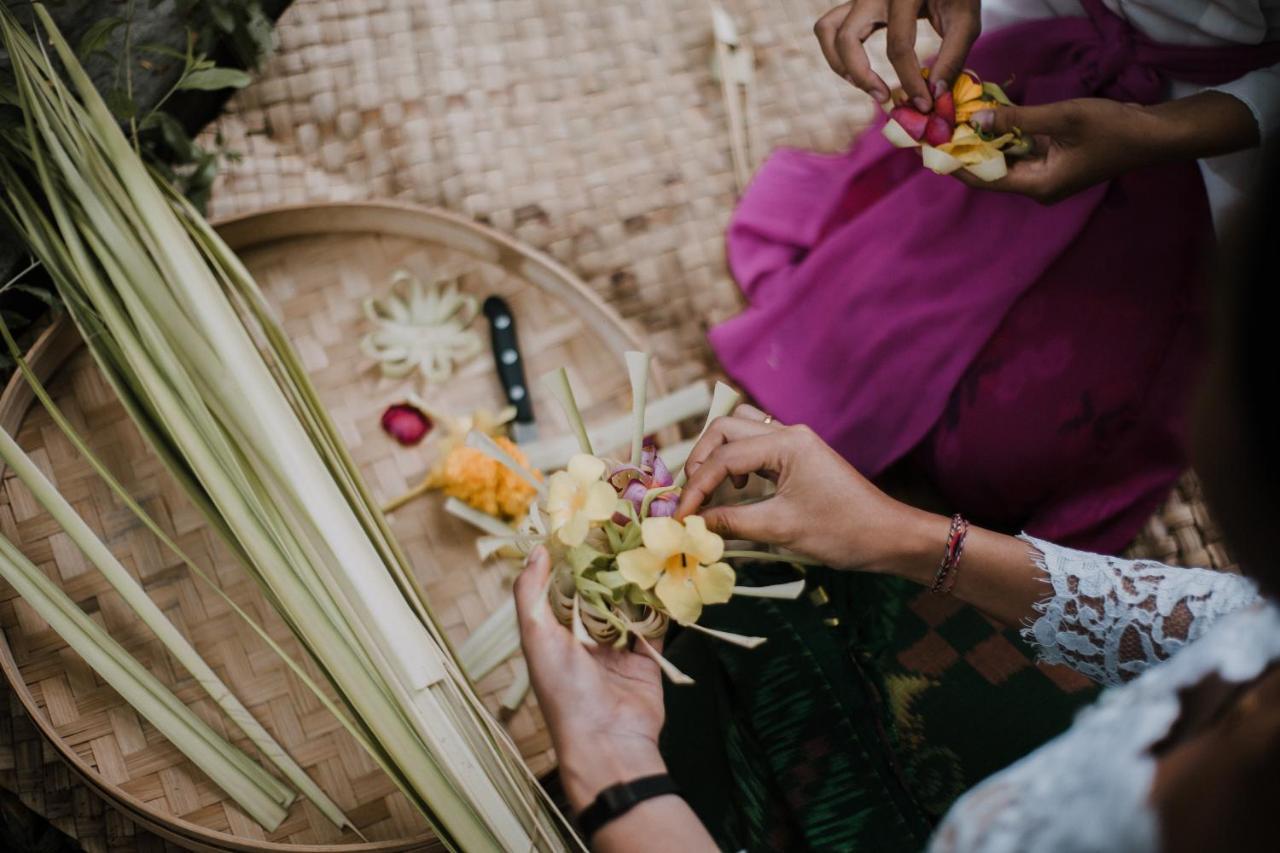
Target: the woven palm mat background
pixel 594 130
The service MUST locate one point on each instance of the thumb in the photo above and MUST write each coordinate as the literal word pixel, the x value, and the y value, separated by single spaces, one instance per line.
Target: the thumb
pixel 748 521
pixel 531 589
pixel 1046 119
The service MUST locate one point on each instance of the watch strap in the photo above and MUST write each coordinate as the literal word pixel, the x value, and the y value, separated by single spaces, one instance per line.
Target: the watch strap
pixel 616 800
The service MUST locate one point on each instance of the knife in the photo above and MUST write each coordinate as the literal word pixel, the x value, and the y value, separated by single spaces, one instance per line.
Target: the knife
pixel 510 364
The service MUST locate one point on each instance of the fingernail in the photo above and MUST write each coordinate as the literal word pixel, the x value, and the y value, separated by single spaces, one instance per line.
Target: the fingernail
pixel 881 95
pixel 939 87
pixel 922 104
pixel 984 119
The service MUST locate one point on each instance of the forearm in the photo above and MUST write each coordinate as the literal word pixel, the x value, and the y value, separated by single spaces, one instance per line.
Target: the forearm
pixel 997 574
pixel 1073 602
pixel 1207 124
pixel 661 823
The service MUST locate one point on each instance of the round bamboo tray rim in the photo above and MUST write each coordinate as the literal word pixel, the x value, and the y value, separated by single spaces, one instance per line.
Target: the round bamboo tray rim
pixel 534 281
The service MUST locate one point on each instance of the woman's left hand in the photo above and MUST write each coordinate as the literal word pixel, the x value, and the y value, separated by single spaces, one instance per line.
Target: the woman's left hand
pixel 1082 142
pixel 1078 143
pixel 603 705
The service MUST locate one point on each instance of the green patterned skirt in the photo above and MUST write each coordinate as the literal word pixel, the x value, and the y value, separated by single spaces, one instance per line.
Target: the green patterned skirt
pixel 872 706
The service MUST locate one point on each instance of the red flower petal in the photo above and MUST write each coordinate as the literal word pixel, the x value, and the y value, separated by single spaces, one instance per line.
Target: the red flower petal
pixel 406 423
pixel 937 131
pixel 913 121
pixel 945 105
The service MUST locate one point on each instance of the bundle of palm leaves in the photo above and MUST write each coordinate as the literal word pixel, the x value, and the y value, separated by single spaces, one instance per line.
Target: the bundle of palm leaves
pixel 182 332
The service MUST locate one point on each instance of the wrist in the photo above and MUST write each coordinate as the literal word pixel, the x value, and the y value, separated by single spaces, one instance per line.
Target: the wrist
pixel 1202 125
pixel 918 546
pixel 589 767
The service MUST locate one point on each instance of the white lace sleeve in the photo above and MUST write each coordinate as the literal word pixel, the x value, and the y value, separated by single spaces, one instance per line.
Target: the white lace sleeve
pixel 1111 618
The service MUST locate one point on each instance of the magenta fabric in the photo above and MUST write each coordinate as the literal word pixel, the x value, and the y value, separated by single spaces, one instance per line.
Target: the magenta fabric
pixel 883 297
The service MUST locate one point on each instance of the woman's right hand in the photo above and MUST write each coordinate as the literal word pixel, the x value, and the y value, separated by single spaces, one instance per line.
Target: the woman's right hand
pixel 842 31
pixel 822 508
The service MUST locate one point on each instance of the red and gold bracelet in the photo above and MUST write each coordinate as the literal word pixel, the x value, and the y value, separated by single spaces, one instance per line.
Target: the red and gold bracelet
pixel 945 580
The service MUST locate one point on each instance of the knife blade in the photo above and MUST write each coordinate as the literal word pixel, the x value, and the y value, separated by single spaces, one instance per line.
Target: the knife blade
pixel 510 364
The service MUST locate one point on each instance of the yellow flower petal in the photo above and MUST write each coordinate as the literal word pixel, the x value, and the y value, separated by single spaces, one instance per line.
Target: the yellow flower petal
pixel 664 536
pixel 640 566
pixel 966 111
pixel 702 543
pixel 585 468
pixel 560 489
pixel 714 582
pixel 600 501
pixel 679 595
pixel 965 89
pixel 574 530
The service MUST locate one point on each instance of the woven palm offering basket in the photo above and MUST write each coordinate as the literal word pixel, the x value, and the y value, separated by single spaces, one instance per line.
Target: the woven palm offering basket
pixel 317 265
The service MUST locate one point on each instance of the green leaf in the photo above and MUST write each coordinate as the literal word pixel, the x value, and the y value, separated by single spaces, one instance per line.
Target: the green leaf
pixel 260 33
pixel 174 136
pixel 43 294
pixel 95 38
pixel 994 90
pixel 120 104
pixel 162 50
pixel 222 17
pixel 212 79
pixel 582 556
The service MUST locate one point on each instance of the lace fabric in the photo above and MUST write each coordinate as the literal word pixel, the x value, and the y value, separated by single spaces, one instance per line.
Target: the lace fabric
pixel 1111 619
pixel 1116 620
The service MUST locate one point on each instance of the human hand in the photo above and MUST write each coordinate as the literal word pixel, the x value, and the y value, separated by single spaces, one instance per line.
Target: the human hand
pixel 603 706
pixel 822 508
pixel 842 31
pixel 1077 144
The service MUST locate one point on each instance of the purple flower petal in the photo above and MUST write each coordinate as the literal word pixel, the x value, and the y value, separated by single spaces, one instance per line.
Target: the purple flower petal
pixel 621 476
pixel 634 492
pixel 663 506
pixel 661 476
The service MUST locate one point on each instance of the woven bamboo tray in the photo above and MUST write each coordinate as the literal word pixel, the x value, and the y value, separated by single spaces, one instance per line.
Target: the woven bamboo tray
pixel 316 265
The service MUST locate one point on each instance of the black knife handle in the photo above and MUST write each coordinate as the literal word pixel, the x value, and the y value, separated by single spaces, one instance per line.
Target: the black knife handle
pixel 507 357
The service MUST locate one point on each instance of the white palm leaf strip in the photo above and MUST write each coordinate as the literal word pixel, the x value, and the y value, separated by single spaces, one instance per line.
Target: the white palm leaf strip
pixel 228 767
pixel 299 479
pixel 356 729
pixel 151 614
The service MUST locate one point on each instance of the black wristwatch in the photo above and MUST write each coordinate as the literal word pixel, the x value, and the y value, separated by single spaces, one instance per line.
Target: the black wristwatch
pixel 616 800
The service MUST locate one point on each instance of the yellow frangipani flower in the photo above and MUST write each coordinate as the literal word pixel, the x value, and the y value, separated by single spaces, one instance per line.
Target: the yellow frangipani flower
pixel 681 563
pixel 970 148
pixel 968 95
pixel 578 497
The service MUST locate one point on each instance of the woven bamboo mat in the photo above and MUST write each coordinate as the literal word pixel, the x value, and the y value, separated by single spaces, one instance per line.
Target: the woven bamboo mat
pixel 591 129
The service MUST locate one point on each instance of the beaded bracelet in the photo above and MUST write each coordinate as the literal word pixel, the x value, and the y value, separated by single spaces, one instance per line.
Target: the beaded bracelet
pixel 945 580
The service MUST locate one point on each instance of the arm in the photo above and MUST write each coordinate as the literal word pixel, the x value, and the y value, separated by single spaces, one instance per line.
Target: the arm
pixel 1108 618
pixel 1260 92
pixel 1081 142
pixel 603 707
